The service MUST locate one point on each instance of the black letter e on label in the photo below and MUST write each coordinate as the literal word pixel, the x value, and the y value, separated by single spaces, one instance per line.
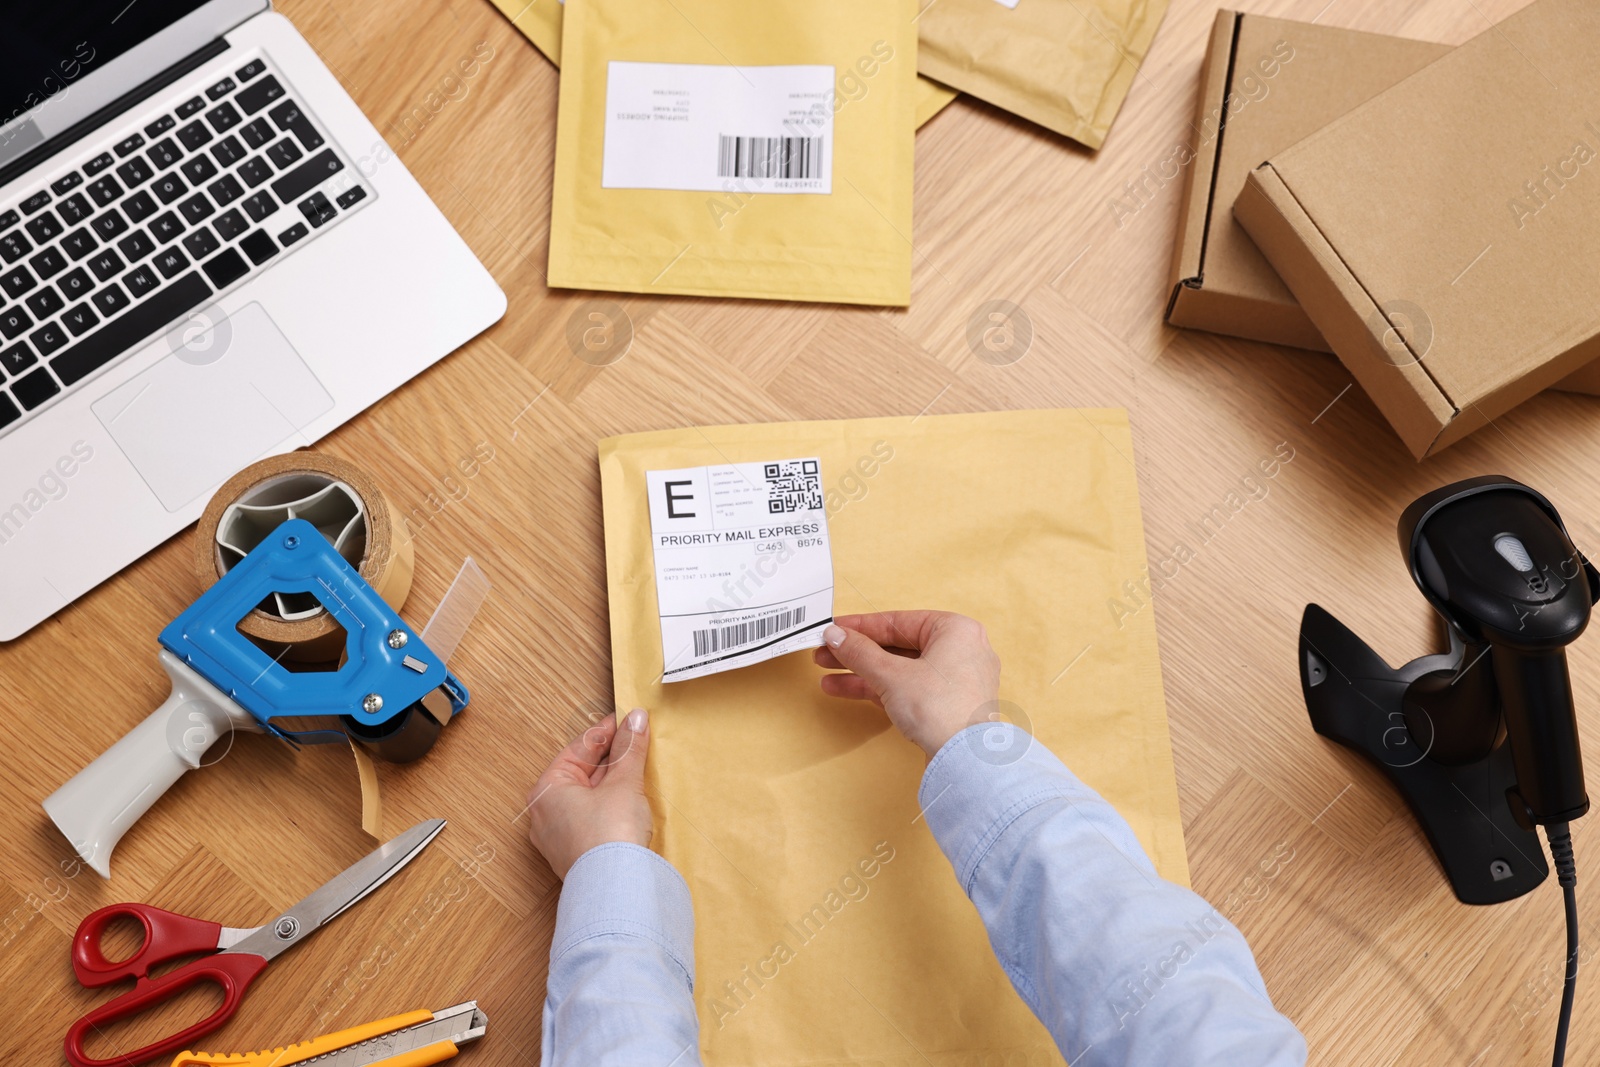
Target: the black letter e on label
pixel 672 498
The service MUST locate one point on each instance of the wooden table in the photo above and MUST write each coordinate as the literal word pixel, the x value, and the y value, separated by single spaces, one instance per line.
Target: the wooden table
pixel 1357 933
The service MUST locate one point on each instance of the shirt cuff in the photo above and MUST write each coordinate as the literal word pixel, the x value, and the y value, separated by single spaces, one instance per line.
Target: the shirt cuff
pixel 982 781
pixel 625 890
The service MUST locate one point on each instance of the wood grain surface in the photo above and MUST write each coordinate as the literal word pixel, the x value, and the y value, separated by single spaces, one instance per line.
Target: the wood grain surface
pixel 1357 933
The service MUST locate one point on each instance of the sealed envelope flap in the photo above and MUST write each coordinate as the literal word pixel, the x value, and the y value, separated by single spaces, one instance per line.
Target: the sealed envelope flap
pixel 1466 201
pixel 540 22
pixel 773 799
pixel 719 148
pixel 1065 64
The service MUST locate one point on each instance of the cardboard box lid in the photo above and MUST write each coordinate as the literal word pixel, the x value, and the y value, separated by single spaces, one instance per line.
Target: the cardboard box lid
pixel 1401 222
pixel 1268 83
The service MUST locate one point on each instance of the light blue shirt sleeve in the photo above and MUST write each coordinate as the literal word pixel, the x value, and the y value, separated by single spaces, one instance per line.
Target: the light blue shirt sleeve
pixel 621 987
pixel 1122 967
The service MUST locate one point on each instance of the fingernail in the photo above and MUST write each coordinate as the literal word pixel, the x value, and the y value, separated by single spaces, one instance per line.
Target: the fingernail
pixel 833 635
pixel 637 720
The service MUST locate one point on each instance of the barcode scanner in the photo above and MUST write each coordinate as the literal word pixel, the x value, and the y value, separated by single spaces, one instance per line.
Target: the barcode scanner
pixel 1493 557
pixel 1482 740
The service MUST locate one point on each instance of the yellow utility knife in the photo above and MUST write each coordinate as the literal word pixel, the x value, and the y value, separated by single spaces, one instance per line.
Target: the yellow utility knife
pixel 414 1039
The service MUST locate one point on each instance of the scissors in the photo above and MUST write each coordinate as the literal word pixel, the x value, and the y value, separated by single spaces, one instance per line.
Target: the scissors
pixel 235 957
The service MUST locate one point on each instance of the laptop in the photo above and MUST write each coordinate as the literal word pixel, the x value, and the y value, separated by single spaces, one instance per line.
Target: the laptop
pixel 208 255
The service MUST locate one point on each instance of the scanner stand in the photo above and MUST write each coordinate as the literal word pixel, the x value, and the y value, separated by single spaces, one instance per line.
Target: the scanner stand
pixel 1358 700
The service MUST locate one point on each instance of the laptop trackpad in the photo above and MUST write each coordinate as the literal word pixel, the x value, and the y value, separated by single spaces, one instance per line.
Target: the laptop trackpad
pixel 230 392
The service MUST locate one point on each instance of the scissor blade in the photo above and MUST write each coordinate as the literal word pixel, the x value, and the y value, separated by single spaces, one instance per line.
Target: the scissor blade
pixel 344 890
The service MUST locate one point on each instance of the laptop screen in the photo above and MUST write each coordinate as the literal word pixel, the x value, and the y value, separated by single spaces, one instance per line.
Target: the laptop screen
pixel 46 46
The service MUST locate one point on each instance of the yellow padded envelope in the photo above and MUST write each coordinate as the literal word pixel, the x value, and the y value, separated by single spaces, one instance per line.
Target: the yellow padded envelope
pixel 1065 64
pixel 829 926
pixel 540 22
pixel 849 245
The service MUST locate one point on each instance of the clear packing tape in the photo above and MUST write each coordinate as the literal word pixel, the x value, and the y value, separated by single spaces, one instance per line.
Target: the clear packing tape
pixel 831 929
pixel 444 631
pixel 371 794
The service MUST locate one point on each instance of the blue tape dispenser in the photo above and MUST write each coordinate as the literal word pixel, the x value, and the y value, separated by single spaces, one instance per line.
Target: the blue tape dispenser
pixel 390 693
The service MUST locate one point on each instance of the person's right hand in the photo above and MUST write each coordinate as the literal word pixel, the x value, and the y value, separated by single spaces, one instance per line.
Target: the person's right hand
pixel 593 793
pixel 932 671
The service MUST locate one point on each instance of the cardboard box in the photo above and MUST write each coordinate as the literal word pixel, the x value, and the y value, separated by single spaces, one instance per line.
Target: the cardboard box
pixel 1445 236
pixel 1266 83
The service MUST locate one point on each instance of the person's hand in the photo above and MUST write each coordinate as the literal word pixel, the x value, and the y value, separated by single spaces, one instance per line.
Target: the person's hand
pixel 593 793
pixel 932 671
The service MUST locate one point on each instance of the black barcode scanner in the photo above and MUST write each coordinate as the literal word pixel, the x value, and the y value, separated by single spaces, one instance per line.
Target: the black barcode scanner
pixel 1494 558
pixel 1481 740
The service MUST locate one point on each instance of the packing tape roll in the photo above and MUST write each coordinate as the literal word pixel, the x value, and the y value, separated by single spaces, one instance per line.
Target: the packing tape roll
pixel 346 505
pixel 342 501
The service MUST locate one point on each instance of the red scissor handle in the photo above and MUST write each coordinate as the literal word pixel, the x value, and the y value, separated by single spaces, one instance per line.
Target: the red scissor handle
pixel 167 936
pixel 233 971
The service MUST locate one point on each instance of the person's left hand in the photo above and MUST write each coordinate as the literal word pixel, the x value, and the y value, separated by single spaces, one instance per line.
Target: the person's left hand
pixel 593 793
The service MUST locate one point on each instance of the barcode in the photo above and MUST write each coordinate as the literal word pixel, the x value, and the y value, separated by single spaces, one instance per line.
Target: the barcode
pixel 718 638
pixel 769 157
pixel 793 486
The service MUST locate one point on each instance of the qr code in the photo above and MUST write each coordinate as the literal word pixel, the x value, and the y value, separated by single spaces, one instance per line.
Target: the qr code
pixel 793 485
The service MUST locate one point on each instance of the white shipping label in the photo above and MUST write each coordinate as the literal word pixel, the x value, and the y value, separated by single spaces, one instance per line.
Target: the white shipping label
pixel 744 572
pixel 718 129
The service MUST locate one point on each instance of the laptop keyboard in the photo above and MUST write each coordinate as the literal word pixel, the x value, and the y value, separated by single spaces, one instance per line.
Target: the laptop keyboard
pixel 174 211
